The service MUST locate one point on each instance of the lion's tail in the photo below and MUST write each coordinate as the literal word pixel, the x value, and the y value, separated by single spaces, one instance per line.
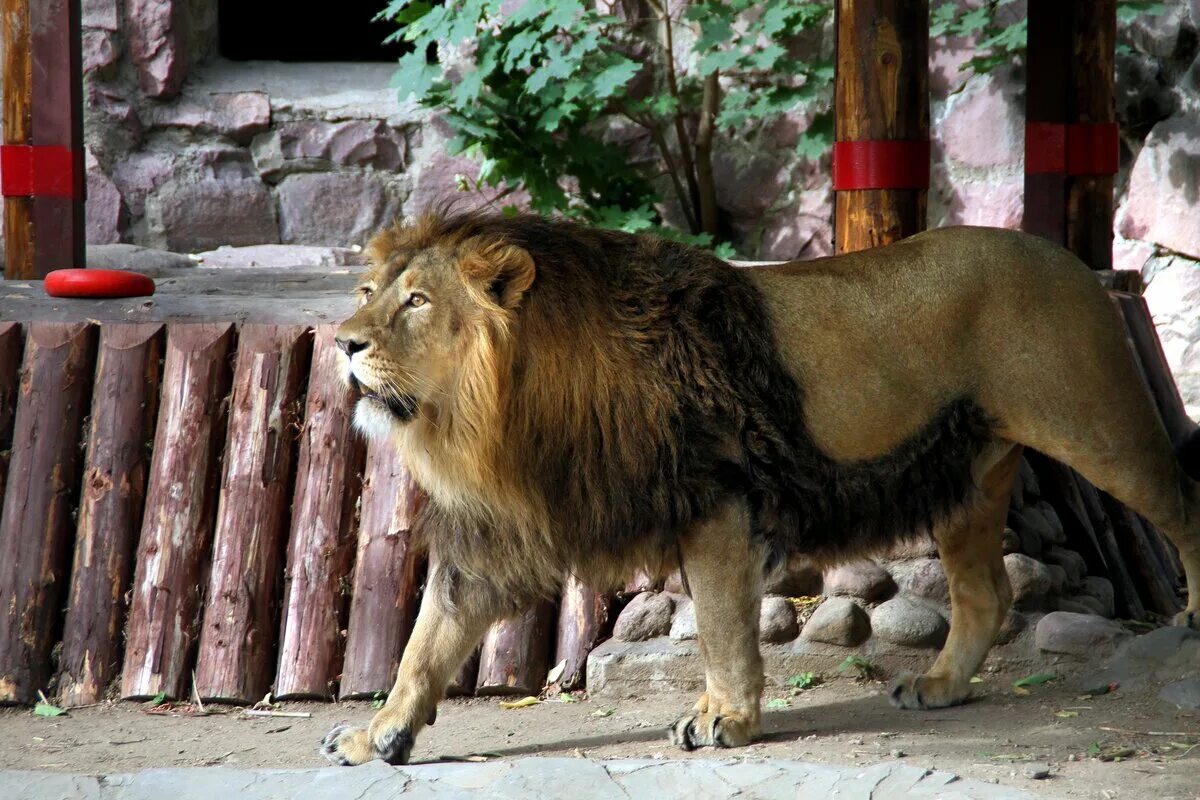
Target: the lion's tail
pixel 1188 453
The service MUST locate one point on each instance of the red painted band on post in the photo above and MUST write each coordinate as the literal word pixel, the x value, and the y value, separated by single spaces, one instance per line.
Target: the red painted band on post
pixel 39 171
pixel 881 164
pixel 1077 148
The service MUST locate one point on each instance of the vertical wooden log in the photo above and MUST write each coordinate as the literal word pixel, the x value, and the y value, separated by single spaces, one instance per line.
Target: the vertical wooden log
pixel 1147 349
pixel 515 653
pixel 19 260
pixel 12 342
pixel 1047 59
pixel 1155 586
pixel 174 550
pixel 464 681
pixel 36 526
pixel 1128 599
pixel 582 621
pixel 236 660
pixel 124 410
pixel 388 572
pixel 321 542
pixel 1059 487
pixel 881 94
pixel 1090 95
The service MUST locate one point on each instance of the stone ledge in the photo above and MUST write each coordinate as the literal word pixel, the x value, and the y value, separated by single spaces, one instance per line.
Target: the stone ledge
pixel 579 779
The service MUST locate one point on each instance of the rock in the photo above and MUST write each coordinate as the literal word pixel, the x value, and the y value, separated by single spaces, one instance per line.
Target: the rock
pixel 438 182
pixel 1077 634
pixel 922 577
pixel 308 145
pixel 137 259
pixel 333 209
pixel 1037 771
pixel 102 209
pixel 1031 580
pixel 647 615
pixel 1058 579
pixel 238 115
pixel 280 255
pixel 1161 656
pixel 1071 562
pixel 903 620
pixel 683 625
pixel 988 107
pixel 777 620
pixel 1163 185
pixel 1079 604
pixel 997 203
pixel 111 126
pixel 864 579
pixel 1183 694
pixel 747 183
pixel 1038 526
pixel 1011 543
pixel 99 52
pixel 1102 590
pixel 1053 531
pixel 140 175
pixel 1013 626
pixel 838 620
pixel 207 214
pixel 1028 480
pixel 1157 34
pixel 155 30
pixel 1031 540
pixel 101 14
pixel 798 578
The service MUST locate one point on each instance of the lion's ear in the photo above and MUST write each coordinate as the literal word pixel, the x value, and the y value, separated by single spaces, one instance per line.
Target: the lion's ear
pixel 504 271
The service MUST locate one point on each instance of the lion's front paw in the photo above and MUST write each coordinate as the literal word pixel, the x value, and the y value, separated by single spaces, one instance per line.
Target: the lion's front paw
pixel 347 746
pixel 716 730
pixel 920 692
pixel 1187 619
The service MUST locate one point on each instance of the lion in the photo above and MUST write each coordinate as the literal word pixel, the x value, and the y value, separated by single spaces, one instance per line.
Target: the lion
pixel 586 402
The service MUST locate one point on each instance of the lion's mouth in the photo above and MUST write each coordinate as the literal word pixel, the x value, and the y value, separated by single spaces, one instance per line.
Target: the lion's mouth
pixel 403 407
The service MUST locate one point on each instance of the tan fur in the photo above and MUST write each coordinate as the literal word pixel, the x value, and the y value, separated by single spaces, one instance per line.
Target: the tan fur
pixel 880 340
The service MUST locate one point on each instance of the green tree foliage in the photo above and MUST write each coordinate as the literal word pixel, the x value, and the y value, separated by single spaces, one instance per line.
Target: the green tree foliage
pixel 553 96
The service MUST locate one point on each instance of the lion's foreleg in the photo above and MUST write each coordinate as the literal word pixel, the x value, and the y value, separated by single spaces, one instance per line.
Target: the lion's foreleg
pixel 980 594
pixel 724 572
pixel 443 637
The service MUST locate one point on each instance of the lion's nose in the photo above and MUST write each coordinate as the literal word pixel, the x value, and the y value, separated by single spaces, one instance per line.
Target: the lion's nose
pixel 349 345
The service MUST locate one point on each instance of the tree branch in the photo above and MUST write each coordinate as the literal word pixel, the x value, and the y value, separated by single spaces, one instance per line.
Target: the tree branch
pixel 685 145
pixel 704 140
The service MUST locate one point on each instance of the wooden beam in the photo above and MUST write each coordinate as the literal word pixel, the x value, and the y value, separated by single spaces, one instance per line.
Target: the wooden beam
pixel 880 95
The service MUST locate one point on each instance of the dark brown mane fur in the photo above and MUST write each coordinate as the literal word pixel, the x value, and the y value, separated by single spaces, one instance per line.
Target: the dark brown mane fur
pixel 642 386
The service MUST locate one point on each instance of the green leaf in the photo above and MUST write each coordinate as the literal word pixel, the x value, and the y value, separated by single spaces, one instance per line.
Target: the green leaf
pixel 816 140
pixel 157 700
pixel 1035 680
pixel 718 60
pixel 47 710
pixel 614 78
pixel 778 703
pixel 804 680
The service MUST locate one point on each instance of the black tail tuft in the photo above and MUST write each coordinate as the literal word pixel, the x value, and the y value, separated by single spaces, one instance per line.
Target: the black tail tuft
pixel 1188 453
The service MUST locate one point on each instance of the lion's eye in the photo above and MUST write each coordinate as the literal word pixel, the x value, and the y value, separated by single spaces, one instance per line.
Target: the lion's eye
pixel 416 299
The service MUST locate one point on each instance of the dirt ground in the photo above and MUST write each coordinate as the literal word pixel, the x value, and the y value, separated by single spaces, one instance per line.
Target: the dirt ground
pixel 1154 751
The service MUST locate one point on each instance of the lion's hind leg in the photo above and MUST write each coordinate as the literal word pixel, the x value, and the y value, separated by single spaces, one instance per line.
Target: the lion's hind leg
pixel 980 594
pixel 724 572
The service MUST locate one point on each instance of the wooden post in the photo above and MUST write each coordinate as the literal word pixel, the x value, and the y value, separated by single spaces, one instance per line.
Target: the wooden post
pixel 464 681
pixel 881 121
pixel 1071 139
pixel 387 576
pixel 36 527
pixel 321 542
pixel 1147 349
pixel 514 655
pixel 124 410
pixel 43 180
pixel 174 552
pixel 582 621
pixel 11 345
pixel 236 660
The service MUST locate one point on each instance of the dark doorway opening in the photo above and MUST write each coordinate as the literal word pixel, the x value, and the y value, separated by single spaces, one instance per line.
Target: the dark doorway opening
pixel 274 30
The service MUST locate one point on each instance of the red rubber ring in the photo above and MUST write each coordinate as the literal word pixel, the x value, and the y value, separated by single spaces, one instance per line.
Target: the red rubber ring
pixel 98 283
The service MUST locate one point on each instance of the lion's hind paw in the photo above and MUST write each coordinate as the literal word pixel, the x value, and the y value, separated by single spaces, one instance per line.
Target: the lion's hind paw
pixel 709 730
pixel 347 746
pixel 1188 619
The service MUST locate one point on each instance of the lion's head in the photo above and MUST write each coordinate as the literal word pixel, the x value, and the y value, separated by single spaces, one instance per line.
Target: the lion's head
pixel 430 308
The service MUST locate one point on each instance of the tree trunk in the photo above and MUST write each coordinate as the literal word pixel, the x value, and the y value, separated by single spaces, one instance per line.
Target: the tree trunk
pixel 174 552
pixel 388 572
pixel 514 653
pixel 237 641
pixel 582 622
pixel 12 341
pixel 124 410
pixel 321 543
pixel 36 528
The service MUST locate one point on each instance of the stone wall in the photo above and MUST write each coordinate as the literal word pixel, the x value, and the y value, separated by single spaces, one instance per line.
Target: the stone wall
pixel 187 151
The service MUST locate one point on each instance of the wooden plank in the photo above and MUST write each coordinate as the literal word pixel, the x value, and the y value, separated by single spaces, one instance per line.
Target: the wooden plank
pixel 18 130
pixel 880 93
pixel 514 656
pixel 321 542
pixel 57 121
pixel 174 550
pixel 35 527
pixel 12 344
pixel 388 572
pixel 582 622
pixel 236 659
pixel 123 415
